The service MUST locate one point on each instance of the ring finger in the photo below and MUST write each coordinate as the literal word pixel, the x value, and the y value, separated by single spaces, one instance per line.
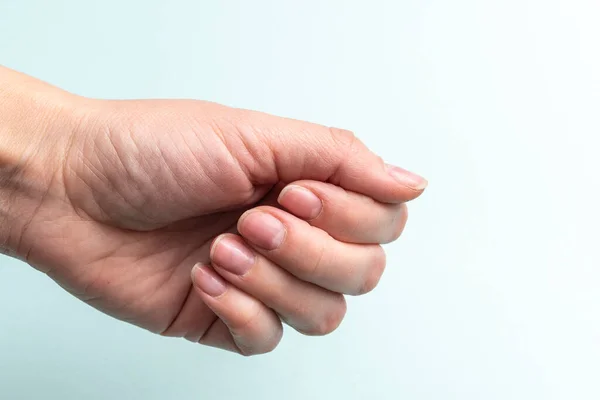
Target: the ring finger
pixel 310 253
pixel 304 306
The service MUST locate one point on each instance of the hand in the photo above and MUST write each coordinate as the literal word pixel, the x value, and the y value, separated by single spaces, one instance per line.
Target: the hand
pixel 118 200
pixel 299 272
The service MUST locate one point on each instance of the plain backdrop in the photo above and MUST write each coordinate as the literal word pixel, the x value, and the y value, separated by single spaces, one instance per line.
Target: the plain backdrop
pixel 492 292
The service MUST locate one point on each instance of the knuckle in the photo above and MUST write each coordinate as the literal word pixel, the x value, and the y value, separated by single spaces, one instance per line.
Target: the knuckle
pixel 273 341
pixel 265 346
pixel 246 322
pixel 398 223
pixel 249 351
pixel 343 136
pixel 374 271
pixel 330 320
pixel 311 267
pixel 346 140
pixel 246 351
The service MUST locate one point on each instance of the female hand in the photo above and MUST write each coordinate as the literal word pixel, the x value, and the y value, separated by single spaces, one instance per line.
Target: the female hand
pixel 118 200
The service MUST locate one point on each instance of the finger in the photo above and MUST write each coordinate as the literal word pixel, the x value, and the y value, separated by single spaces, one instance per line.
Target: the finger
pixel 345 215
pixel 304 306
pixel 302 150
pixel 310 253
pixel 253 327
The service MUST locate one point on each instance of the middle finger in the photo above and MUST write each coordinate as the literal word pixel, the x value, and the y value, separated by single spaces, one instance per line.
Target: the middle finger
pixel 310 253
pixel 346 216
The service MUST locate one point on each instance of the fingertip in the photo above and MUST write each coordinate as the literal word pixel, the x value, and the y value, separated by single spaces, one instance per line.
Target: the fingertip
pixel 407 178
pixel 368 174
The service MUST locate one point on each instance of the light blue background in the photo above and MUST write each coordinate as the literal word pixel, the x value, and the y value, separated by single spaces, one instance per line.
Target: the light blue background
pixel 493 291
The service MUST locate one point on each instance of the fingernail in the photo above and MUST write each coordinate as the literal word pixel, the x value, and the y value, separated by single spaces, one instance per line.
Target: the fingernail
pixel 407 178
pixel 300 201
pixel 232 255
pixel 262 229
pixel 207 280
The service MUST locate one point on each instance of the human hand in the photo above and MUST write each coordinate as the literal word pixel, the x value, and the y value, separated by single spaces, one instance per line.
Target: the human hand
pixel 118 200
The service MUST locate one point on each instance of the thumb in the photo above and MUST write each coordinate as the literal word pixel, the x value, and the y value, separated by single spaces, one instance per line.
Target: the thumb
pixel 272 149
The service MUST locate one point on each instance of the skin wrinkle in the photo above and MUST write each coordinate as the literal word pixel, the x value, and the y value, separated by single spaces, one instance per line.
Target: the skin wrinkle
pixel 334 211
pixel 198 338
pixel 100 260
pixel 19 193
pixel 139 160
pixel 395 228
pixel 246 350
pixel 188 296
pixel 279 160
pixel 197 170
pixel 216 128
pixel 328 323
pixel 16 176
pixel 142 300
pixel 252 318
pixel 243 131
pixel 318 260
pixel 192 153
pixel 84 161
pixel 244 169
pixel 107 181
pixel 137 206
pixel 105 132
pixel 348 148
pixel 67 182
pixel 79 121
pixel 33 214
pixel 165 247
pixel 80 211
pixel 147 282
pixel 213 325
pixel 179 309
pixel 7 211
pixel 27 225
pixel 199 162
pixel 172 173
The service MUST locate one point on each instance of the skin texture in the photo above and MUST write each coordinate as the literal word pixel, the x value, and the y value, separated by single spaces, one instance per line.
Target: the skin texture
pixel 120 202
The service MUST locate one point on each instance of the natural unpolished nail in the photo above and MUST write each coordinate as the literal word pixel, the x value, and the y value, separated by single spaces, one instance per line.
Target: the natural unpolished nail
pixel 407 178
pixel 300 201
pixel 207 280
pixel 231 255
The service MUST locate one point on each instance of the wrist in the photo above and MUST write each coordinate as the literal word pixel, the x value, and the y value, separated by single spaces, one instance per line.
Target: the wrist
pixel 34 134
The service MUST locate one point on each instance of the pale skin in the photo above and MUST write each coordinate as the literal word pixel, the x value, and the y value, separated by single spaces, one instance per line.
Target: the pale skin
pixel 193 219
